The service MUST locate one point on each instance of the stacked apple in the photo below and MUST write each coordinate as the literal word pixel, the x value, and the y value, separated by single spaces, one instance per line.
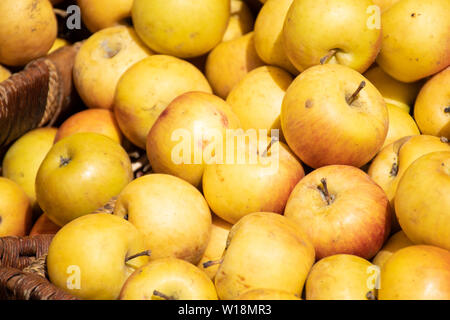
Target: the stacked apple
pixel 305 156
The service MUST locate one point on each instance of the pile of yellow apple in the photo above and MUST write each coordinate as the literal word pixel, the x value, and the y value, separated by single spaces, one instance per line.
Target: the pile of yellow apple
pixel 351 202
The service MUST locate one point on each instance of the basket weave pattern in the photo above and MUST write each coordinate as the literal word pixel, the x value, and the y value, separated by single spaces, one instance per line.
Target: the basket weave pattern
pixel 22 270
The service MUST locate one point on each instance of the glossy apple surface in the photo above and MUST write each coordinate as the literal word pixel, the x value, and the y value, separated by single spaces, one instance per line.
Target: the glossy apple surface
pixel 334 204
pixel 80 174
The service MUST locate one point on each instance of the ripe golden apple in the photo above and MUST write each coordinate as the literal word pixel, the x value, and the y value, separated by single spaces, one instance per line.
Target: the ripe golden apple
pixel 4 73
pixel 229 62
pixel 92 256
pixel 216 245
pixel 15 209
pixel 415 39
pixel 44 225
pixel 102 60
pixel 234 189
pixel 23 159
pixel 257 98
pixel 425 217
pixel 394 92
pixel 188 133
pixel 267 294
pixel 27 30
pixel 80 174
pixel 347 125
pixel 92 120
pixel 401 124
pixel 331 31
pixel 339 277
pixel 333 204
pixel 172 215
pixel 264 250
pixel 168 279
pixel 384 4
pixel 147 88
pixel 416 273
pixel 183 29
pixel 100 14
pixel 240 22
pixel 396 242
pixel 59 43
pixel 432 108
pixel 393 160
pixel 269 34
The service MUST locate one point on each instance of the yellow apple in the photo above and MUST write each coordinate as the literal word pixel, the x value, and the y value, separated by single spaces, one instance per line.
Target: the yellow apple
pixel 229 62
pixel 339 277
pixel 264 250
pixel 241 21
pixel 183 29
pixel 415 39
pixel 4 73
pixel 23 159
pixel 425 217
pixel 27 30
pixel 216 245
pixel 100 14
pixel 102 60
pixel 168 279
pixel 331 31
pixel 15 209
pixel 393 160
pixel 44 225
pixel 269 34
pixel 347 125
pixel 172 215
pixel 147 88
pixel 394 92
pixel 59 43
pixel 333 204
pixel 396 242
pixel 92 256
pixel 432 108
pixel 401 124
pixel 80 174
pixel 416 273
pixel 92 120
pixel 384 4
pixel 187 134
pixel 267 294
pixel 257 98
pixel 234 189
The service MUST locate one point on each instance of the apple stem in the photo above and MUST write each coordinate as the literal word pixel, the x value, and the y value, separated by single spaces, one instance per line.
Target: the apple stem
pixel 59 12
pixel 211 263
pixel 162 295
pixel 352 98
pixel 272 141
pixel 328 56
pixel 447 110
pixel 140 254
pixel 323 188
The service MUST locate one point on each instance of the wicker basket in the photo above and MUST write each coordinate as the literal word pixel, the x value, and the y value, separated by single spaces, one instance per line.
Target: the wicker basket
pixel 38 96
pixel 23 269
